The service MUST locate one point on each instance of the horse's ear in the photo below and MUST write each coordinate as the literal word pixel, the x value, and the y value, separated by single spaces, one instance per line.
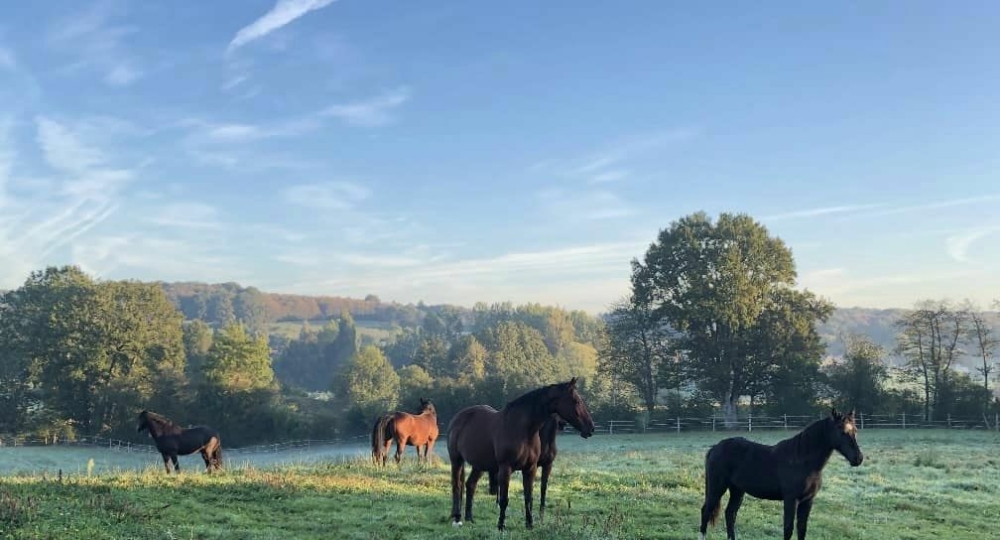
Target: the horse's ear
pixel 834 414
pixel 850 415
pixel 572 382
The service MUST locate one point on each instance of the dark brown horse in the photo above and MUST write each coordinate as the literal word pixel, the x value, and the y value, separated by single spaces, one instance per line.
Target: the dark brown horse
pixel 417 430
pixel 500 442
pixel 790 471
pixel 173 440
pixel 546 457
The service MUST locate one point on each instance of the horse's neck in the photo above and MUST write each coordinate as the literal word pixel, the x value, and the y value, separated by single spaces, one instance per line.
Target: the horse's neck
pixel 159 430
pixel 808 448
pixel 525 418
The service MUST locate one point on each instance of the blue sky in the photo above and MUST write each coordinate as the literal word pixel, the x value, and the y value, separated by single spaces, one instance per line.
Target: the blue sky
pixel 462 151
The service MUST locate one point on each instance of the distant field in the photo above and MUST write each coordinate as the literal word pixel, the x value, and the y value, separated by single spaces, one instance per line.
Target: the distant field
pixel 914 485
pixel 366 329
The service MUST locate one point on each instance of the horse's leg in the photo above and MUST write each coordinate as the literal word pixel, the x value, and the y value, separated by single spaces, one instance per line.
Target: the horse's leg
pixel 802 518
pixel 790 507
pixel 546 469
pixel 457 483
pixel 503 479
pixel 399 449
pixel 166 462
pixel 713 501
pixel 735 500
pixel 470 491
pixel 528 481
pixel 208 460
pixel 177 466
pixel 429 452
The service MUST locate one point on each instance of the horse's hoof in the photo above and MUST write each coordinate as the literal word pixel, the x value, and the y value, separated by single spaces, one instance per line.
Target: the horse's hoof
pixel 456 523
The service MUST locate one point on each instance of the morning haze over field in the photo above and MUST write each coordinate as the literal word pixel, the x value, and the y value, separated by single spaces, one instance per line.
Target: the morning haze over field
pixel 457 152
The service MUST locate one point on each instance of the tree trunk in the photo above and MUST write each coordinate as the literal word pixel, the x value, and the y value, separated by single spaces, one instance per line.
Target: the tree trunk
pixel 729 412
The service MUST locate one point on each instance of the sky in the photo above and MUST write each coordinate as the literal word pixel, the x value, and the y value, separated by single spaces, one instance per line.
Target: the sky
pixel 455 151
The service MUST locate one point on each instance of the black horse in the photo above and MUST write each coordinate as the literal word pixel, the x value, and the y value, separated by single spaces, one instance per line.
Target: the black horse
pixel 173 440
pixel 546 458
pixel 790 471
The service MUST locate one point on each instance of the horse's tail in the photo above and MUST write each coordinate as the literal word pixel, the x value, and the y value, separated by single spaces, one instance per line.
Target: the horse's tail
pixel 713 503
pixel 390 427
pixel 375 437
pixel 380 435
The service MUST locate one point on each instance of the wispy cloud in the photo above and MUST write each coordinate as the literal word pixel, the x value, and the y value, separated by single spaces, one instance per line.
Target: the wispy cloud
pixel 282 13
pixel 822 211
pixel 50 215
pixel 187 215
pixel 373 112
pixel 338 195
pixel 605 165
pixel 589 205
pixel 97 44
pixel 935 205
pixel 577 274
pixel 958 245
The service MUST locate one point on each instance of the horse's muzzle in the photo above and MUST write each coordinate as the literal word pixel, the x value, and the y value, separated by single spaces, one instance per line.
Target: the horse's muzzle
pixel 857 461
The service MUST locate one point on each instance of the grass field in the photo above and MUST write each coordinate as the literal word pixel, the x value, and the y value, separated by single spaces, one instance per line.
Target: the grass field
pixel 913 485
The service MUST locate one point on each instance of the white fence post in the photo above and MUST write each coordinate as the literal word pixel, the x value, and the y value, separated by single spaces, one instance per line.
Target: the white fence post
pixel 785 416
pixel 678 424
pixel 904 419
pixel 749 422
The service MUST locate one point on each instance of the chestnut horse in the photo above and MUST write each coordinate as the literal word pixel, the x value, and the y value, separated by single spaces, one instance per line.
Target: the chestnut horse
pixel 500 442
pixel 417 430
pixel 790 471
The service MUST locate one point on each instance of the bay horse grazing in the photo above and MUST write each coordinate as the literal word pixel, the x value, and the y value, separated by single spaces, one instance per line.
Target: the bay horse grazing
pixel 790 471
pixel 500 442
pixel 546 457
pixel 172 440
pixel 417 430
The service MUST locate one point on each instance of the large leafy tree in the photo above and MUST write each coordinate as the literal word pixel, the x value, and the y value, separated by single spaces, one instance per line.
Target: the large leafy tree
pixel 715 283
pixel 96 352
pixel 518 361
pixel 237 361
pixel 858 382
pixel 369 383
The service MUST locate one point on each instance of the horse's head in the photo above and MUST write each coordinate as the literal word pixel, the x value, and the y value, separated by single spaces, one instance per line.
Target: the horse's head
pixel 571 408
pixel 427 406
pixel 143 421
pixel 842 434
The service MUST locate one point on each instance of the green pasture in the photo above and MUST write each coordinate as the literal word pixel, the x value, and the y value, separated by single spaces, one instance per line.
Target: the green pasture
pixel 913 485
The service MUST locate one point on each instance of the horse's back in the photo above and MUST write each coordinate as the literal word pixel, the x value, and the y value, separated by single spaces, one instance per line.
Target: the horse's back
pixel 744 464
pixel 470 435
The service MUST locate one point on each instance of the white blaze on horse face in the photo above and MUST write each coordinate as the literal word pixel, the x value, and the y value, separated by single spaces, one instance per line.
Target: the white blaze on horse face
pixel 850 428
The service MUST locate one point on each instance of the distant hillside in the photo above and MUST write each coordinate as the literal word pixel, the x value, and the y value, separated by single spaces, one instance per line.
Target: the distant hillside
pixel 217 302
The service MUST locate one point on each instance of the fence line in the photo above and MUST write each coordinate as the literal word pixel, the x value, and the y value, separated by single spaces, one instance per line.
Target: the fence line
pixel 132 447
pixel 750 423
pixel 659 424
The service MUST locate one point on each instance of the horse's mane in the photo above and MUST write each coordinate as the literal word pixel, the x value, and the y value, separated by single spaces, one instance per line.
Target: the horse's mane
pixel 163 422
pixel 808 441
pixel 532 399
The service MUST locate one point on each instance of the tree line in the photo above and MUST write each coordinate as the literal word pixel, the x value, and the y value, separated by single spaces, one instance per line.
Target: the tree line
pixel 713 324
